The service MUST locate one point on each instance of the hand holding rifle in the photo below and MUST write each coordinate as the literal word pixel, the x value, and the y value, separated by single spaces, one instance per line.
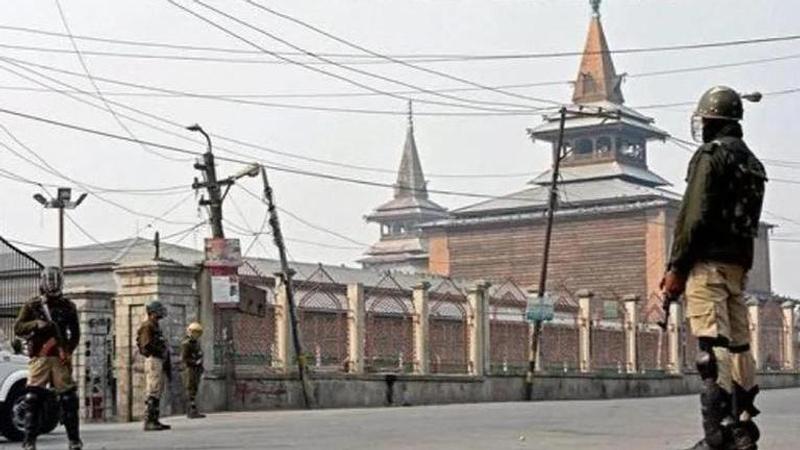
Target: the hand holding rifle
pixel 672 286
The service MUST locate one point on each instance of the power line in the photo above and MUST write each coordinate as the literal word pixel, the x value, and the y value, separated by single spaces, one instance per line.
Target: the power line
pixel 429 57
pixel 94 83
pixel 308 173
pixel 627 76
pixel 339 65
pixel 305 222
pixel 392 59
pixel 241 101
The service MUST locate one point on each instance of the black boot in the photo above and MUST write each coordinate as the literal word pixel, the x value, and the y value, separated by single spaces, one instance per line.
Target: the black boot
pixel 33 405
pixel 715 406
pixel 745 432
pixel 69 410
pixel 152 414
pixel 193 413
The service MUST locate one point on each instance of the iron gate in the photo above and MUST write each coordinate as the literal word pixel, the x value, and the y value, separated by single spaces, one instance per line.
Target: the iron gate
pixel 19 281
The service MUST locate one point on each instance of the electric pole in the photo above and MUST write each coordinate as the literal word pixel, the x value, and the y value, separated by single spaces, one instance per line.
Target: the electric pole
pixel 286 276
pixel 209 170
pixel 61 202
pixel 552 204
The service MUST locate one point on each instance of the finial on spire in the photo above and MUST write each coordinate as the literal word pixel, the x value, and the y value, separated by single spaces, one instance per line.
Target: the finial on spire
pixel 410 115
pixel 595 7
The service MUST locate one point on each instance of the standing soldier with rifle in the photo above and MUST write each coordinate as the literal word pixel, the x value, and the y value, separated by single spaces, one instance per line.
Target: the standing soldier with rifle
pixel 192 358
pixel 712 252
pixel 157 366
pixel 49 323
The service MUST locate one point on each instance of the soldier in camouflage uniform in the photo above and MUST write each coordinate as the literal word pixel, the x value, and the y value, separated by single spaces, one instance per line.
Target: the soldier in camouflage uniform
pixel 153 346
pixel 192 358
pixel 712 252
pixel 49 323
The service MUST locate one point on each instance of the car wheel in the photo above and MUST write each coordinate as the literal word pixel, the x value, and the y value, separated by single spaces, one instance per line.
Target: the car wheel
pixel 12 414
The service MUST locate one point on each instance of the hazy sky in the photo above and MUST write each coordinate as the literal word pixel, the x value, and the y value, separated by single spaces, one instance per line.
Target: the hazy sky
pixel 448 145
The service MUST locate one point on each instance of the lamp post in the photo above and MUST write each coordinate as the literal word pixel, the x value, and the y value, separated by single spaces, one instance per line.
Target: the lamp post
pixel 62 201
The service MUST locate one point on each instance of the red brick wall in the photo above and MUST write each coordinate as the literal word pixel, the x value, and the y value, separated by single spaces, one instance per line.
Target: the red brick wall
pixel 605 254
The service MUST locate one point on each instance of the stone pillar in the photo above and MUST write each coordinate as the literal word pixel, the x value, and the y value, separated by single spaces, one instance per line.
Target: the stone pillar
pixel 631 329
pixel 172 284
pixel 675 358
pixel 788 335
pixel 421 325
pixel 356 327
pixel 584 330
pixel 284 352
pixel 478 326
pixel 753 309
pixel 92 362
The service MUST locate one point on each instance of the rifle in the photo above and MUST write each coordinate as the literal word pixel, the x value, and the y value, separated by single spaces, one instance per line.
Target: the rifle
pixel 60 341
pixel 665 302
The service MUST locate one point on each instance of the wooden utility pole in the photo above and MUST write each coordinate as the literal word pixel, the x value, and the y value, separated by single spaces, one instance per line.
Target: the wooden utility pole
pixel 286 276
pixel 551 206
pixel 214 202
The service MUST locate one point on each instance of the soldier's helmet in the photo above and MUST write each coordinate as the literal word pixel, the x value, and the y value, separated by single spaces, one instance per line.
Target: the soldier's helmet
pixel 720 102
pixel 195 329
pixel 157 308
pixel 51 281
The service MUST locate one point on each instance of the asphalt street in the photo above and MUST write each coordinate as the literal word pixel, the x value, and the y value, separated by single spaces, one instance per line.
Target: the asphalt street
pixel 655 423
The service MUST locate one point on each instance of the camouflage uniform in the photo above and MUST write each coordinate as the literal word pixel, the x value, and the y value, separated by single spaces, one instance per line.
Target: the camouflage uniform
pixel 52 334
pixel 713 249
pixel 153 347
pixel 192 358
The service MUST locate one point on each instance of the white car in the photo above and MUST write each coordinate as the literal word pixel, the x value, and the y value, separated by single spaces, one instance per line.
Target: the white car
pixel 13 375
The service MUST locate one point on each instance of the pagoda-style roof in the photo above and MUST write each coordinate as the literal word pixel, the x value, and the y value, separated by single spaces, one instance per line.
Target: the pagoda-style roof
pixel 611 169
pixel 576 195
pixel 597 79
pixel 410 191
pixel 618 117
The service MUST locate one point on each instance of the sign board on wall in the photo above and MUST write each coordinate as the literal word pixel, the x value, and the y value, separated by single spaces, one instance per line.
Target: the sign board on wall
pixel 225 289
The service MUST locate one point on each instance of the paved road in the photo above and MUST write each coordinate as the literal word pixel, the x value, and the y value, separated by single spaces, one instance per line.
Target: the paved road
pixel 661 423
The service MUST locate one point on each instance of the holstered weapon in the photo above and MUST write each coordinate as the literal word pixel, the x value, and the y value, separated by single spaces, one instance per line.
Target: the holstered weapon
pixel 665 302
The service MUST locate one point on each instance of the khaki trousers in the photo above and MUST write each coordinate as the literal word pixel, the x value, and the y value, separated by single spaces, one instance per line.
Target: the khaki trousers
pixel 154 376
pixel 715 308
pixel 49 370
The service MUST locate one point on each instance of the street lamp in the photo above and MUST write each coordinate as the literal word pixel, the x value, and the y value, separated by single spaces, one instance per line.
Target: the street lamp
pixel 61 202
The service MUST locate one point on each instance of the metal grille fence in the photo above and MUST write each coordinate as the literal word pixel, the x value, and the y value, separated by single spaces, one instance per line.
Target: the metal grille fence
pixel 508 330
pixel 389 345
pixel 19 281
pixel 322 317
pixel 608 335
pixel 449 342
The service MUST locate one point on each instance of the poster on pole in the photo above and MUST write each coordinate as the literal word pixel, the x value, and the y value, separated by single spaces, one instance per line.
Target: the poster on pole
pixel 222 252
pixel 225 289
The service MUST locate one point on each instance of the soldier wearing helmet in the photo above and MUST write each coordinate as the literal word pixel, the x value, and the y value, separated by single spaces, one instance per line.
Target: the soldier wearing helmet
pixel 154 348
pixel 712 252
pixel 192 357
pixel 49 322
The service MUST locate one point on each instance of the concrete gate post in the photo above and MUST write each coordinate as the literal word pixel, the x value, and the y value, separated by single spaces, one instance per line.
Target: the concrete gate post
pixel 631 332
pixel 421 326
pixel 584 330
pixel 478 326
pixel 172 284
pixel 753 309
pixel 284 353
pixel 356 327
pixel 675 359
pixel 788 335
pixel 91 362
